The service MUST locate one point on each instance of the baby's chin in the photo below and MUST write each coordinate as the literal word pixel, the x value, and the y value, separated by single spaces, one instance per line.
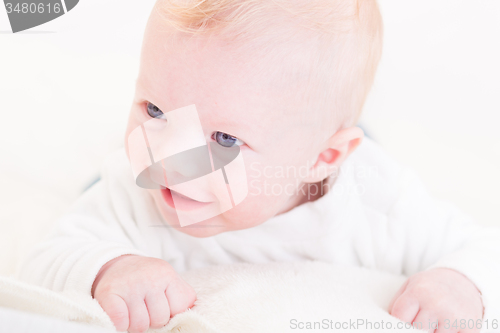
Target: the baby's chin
pixel 206 228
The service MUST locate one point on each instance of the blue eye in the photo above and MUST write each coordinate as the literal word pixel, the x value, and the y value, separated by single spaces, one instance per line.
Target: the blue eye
pixel 226 140
pixel 154 111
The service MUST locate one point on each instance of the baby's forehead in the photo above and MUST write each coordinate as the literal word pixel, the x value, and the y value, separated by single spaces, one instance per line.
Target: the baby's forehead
pixel 213 60
pixel 285 67
pixel 249 81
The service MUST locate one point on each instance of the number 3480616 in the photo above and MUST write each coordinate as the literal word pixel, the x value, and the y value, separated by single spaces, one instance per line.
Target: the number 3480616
pixel 33 8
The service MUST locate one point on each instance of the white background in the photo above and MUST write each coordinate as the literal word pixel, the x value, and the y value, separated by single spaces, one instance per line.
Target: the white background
pixel 66 89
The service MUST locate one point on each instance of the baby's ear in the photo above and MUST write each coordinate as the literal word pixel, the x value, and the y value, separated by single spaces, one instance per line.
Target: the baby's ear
pixel 338 147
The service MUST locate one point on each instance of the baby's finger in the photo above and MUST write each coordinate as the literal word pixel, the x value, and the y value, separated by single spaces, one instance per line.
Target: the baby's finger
pixel 180 295
pixel 405 308
pixel 117 310
pixel 158 308
pixel 425 321
pixel 398 293
pixel 139 316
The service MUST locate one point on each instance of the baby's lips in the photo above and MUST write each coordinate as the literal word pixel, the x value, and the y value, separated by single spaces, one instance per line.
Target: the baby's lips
pixel 194 194
pixel 37 13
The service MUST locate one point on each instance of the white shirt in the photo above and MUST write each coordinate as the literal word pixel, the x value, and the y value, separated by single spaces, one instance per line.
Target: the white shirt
pixel 377 215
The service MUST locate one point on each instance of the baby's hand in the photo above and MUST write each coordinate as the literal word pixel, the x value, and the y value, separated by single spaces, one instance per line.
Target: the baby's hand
pixel 140 292
pixel 441 295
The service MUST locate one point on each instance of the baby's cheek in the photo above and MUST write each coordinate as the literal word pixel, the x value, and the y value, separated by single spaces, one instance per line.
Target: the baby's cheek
pixel 257 207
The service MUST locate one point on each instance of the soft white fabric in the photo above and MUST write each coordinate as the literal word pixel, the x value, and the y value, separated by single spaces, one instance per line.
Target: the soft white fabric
pixel 265 298
pixel 22 227
pixel 28 308
pixel 378 215
pixel 14 321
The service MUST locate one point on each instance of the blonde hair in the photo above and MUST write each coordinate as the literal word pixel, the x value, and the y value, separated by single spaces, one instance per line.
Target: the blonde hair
pixel 348 35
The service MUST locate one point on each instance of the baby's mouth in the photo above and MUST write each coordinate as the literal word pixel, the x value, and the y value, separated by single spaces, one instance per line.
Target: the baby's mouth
pixel 179 201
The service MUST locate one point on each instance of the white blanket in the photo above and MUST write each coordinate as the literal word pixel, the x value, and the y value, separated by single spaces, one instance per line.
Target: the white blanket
pixel 281 297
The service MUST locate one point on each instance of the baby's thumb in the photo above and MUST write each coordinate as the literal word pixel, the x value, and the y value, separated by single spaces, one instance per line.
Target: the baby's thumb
pixel 117 310
pixel 181 296
pixel 396 296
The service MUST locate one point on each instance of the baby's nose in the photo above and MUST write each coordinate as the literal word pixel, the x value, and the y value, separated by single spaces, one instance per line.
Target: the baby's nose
pixel 187 165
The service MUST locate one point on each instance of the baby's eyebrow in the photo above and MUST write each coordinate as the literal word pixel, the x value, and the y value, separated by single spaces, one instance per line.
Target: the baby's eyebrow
pixel 233 127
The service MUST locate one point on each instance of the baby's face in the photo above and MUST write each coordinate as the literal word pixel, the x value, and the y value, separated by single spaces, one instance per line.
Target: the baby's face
pixel 239 101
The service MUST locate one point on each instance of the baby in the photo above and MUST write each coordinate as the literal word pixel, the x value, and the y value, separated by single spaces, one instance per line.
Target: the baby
pixel 282 83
